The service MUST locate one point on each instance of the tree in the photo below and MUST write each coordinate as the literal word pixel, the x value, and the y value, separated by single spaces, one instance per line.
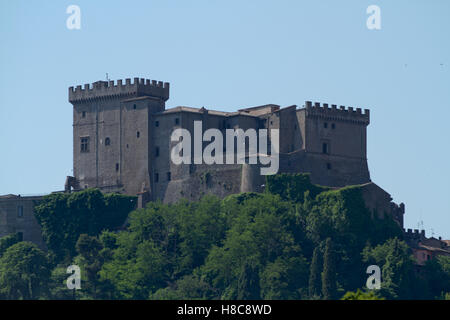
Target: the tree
pixel 8 241
pixel 329 272
pixel 24 272
pixel 64 216
pixel 361 295
pixel 315 274
pixel 248 283
pixel 396 263
pixel 89 249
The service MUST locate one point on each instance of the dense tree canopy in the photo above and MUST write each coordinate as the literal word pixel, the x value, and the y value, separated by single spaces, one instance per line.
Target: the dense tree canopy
pixel 65 216
pixel 295 241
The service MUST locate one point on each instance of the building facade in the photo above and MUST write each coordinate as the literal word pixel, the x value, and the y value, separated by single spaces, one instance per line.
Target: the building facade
pixel 122 131
pixel 17 216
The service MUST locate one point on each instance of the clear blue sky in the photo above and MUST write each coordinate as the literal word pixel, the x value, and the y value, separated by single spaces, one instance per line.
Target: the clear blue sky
pixel 231 54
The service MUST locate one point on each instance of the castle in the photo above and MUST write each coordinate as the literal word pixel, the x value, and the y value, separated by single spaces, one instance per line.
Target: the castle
pixel 122 143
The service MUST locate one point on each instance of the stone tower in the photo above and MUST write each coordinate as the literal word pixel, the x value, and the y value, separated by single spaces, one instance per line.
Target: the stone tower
pixel 112 134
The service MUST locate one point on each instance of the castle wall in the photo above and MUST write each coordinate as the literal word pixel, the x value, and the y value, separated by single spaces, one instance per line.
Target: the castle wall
pixel 133 118
pixel 13 219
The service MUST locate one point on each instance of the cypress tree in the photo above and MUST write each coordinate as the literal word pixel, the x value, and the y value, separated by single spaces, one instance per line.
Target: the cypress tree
pixel 314 274
pixel 248 283
pixel 329 272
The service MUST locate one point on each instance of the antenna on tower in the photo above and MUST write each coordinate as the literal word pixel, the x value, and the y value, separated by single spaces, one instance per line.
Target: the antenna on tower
pixel 107 77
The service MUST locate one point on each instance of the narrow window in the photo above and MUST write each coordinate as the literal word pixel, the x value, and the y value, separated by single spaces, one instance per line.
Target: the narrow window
pixel 329 166
pixel 117 167
pixel 325 125
pixel 134 106
pixel 333 126
pixel 156 177
pixel 177 121
pixel 20 236
pixel 83 114
pixel 156 123
pixel 168 176
pixel 107 142
pixel 84 144
pixel 138 134
pixel 325 148
pixel 20 211
pixel 157 152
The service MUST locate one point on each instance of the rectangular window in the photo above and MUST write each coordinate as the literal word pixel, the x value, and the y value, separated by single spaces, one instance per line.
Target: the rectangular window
pixel 20 211
pixel 168 176
pixel 157 152
pixel 156 177
pixel 84 145
pixel 156 123
pixel 325 148
pixel 177 121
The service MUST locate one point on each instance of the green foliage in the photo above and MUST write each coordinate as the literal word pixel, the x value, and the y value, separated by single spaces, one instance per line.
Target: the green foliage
pixel 8 241
pixel 292 187
pixel 296 241
pixel 64 216
pixel 436 274
pixel 396 263
pixel 315 271
pixel 248 283
pixel 24 272
pixel 361 295
pixel 329 290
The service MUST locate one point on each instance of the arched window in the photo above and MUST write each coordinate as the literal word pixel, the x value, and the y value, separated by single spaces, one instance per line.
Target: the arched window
pixel 107 142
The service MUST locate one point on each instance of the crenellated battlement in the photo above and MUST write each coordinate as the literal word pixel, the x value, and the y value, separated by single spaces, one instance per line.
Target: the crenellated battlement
pixel 333 112
pixel 414 234
pixel 111 89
